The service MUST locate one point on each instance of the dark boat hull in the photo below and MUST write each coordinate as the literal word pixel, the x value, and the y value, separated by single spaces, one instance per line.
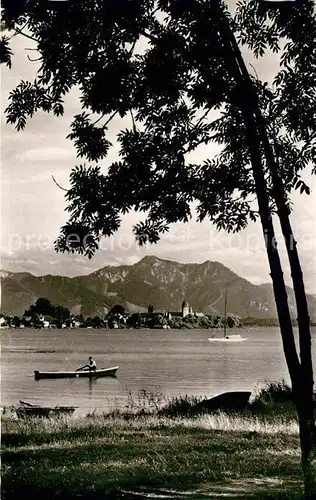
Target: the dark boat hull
pixel 106 372
pixel 236 400
pixel 44 412
pixel 32 410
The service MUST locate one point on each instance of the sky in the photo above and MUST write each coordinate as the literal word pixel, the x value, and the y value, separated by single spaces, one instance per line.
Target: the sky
pixel 32 206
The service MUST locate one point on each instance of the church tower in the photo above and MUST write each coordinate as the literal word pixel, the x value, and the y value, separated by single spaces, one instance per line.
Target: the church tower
pixel 185 309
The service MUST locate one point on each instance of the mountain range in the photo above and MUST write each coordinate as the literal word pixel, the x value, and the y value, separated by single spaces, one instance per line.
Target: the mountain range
pixel 152 281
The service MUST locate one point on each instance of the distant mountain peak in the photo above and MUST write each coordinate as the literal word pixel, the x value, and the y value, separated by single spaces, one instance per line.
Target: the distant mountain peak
pixel 148 259
pixel 152 259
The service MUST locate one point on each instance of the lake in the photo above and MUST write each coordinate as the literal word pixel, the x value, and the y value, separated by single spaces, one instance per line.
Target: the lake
pixel 171 362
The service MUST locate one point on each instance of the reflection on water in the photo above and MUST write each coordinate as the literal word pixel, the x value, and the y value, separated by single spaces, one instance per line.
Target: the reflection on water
pixel 92 387
pixel 172 362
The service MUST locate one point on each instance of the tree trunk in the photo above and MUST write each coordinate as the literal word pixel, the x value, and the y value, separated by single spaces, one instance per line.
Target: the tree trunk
pixel 302 376
pixel 303 398
pixel 305 411
pixel 271 246
pixel 237 68
pixel 291 247
pixel 301 373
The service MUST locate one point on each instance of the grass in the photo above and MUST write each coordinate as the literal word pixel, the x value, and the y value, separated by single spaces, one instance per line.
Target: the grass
pixel 68 459
pixel 274 393
pixel 154 449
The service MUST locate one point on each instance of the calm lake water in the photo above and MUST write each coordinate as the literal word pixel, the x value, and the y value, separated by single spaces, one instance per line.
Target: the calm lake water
pixel 172 362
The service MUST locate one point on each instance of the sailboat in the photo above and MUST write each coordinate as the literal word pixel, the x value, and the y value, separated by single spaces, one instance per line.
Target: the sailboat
pixel 227 338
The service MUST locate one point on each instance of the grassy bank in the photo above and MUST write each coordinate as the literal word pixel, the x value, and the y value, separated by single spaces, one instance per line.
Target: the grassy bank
pixel 250 454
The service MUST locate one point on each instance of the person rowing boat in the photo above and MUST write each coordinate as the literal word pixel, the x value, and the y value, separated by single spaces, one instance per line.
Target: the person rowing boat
pixel 92 366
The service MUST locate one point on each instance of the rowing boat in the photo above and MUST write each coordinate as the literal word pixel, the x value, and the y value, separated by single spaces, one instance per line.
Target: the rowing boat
pixel 103 372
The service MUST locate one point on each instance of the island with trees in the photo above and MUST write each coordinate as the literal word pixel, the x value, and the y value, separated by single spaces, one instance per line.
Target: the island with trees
pixel 43 314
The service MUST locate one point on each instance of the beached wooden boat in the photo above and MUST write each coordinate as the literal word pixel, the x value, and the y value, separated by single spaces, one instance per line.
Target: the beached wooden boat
pixel 32 410
pixel 103 372
pixel 235 400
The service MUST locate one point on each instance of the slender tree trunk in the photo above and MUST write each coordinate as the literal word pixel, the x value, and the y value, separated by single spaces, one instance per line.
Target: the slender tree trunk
pixel 301 373
pixel 271 246
pixel 247 106
pixel 303 318
pixel 303 398
pixel 302 377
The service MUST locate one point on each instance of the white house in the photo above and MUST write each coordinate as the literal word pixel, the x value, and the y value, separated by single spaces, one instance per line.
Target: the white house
pixel 199 314
pixel 3 323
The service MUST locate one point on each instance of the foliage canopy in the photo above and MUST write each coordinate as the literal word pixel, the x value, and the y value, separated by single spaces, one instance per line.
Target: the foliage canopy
pixel 162 68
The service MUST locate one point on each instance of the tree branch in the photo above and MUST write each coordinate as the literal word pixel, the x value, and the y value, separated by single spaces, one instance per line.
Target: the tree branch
pixel 115 112
pixel 60 187
pixel 202 117
pixel 206 139
pixel 254 71
pixel 133 121
pixel 148 35
pixel 100 118
pixel 20 32
pixel 111 117
pixel 32 60
pixel 191 148
pixel 308 143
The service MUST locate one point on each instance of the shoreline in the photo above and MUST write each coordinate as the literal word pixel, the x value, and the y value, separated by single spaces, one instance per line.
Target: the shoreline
pixel 186 327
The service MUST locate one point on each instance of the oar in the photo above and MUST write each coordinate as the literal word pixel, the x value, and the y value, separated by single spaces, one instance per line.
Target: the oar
pixel 79 369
